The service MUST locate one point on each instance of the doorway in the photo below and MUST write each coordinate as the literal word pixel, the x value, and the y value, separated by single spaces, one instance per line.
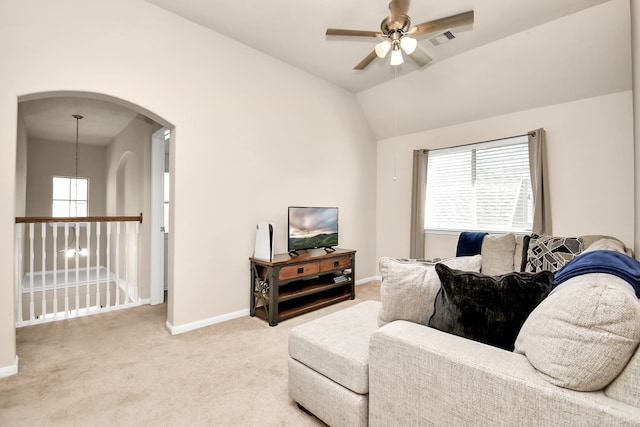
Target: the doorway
pixel 160 142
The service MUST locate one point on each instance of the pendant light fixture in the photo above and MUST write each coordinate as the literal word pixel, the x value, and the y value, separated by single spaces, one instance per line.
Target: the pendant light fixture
pixel 70 252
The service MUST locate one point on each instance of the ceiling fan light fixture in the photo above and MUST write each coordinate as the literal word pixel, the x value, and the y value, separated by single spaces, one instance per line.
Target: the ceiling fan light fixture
pixel 408 44
pixel 396 56
pixel 382 48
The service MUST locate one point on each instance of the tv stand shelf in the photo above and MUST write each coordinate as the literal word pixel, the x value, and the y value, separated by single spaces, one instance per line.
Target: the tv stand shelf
pixel 289 285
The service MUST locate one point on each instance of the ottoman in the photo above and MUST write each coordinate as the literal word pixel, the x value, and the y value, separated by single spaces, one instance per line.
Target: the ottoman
pixel 329 365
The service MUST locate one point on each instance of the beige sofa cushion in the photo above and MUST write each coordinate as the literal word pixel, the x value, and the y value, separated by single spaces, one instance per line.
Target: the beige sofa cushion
pixel 409 287
pixel 584 333
pixel 626 386
pixel 497 254
pixel 605 244
pixel 337 345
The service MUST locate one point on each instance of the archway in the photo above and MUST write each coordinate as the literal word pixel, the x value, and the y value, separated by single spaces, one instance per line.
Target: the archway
pixel 125 171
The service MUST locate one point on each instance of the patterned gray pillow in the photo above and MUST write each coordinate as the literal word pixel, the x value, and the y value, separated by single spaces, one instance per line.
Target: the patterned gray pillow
pixel 549 253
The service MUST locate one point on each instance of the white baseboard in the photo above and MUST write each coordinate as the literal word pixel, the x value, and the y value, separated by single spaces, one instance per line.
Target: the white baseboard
pixel 367 280
pixel 7 371
pixel 187 327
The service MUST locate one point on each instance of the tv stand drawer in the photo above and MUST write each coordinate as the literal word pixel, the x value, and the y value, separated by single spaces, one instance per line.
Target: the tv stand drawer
pixel 335 263
pixel 300 270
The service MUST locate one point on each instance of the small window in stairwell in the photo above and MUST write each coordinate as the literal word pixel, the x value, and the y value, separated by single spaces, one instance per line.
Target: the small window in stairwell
pixel 70 197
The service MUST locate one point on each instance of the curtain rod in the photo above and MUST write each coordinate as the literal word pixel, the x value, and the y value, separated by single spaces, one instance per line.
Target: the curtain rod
pixel 530 133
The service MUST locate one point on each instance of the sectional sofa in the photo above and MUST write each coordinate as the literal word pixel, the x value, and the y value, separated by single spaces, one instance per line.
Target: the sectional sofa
pixel 574 361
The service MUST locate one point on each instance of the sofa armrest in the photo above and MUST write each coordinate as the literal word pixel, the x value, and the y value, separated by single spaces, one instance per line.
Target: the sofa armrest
pixel 421 376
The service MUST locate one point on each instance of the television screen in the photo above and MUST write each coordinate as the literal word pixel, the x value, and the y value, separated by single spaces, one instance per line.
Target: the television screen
pixel 312 227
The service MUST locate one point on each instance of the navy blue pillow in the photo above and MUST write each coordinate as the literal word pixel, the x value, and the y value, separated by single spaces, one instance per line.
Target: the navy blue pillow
pixel 487 309
pixel 470 243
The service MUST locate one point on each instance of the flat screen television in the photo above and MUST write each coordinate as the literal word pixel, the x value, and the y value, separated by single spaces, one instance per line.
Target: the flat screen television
pixel 312 227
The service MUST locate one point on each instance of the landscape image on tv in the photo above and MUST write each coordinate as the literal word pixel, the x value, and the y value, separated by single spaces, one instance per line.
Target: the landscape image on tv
pixel 312 228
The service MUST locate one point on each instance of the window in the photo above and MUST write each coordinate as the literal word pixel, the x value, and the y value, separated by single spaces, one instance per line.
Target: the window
pixel 484 187
pixel 70 197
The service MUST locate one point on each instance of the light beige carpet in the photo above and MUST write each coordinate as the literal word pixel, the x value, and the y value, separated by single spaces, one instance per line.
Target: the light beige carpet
pixel 125 369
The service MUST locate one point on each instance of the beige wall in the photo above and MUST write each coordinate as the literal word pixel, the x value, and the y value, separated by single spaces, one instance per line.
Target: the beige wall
pixel 590 156
pixel 635 48
pixel 128 187
pixel 21 167
pixel 582 55
pixel 8 359
pixel 550 73
pixel 47 159
pixel 252 136
pixel 591 171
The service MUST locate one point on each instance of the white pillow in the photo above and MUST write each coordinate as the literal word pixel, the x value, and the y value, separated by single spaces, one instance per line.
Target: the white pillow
pixel 606 244
pixel 409 287
pixel 498 253
pixel 584 333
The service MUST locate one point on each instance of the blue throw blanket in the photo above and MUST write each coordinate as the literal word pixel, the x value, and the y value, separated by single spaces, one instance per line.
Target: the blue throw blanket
pixel 610 262
pixel 470 243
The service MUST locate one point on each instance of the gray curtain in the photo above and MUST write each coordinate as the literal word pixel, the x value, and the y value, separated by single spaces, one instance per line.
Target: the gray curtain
pixel 539 182
pixel 418 196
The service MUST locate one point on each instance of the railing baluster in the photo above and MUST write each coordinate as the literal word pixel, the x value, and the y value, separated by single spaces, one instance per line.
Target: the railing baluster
pixel 55 271
pixel 117 264
pixel 126 263
pixel 71 246
pixel 20 269
pixel 108 279
pixel 77 260
pixel 31 256
pixel 88 267
pixel 98 302
pixel 43 237
pixel 137 241
pixel 66 270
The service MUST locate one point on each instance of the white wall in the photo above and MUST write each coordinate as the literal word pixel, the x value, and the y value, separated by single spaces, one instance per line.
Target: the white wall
pixel 252 136
pixel 591 170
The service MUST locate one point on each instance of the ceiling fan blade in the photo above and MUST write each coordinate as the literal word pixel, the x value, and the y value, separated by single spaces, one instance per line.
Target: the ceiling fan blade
pixel 399 9
pixel 420 57
pixel 366 61
pixel 442 24
pixel 357 33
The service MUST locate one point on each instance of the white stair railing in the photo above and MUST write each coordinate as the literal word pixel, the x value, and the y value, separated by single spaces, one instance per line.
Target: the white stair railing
pixel 72 275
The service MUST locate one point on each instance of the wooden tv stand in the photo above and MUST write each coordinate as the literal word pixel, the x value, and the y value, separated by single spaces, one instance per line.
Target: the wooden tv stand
pixel 292 285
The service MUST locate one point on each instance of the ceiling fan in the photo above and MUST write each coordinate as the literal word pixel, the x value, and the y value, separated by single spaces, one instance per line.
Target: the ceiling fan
pixel 399 35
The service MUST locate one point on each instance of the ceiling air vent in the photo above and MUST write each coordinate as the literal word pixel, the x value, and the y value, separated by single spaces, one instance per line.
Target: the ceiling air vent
pixel 439 39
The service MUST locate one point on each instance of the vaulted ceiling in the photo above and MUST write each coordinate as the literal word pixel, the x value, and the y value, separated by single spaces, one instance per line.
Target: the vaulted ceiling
pixel 293 31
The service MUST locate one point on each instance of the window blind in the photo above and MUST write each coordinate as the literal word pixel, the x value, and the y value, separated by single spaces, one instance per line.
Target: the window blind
pixel 485 186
